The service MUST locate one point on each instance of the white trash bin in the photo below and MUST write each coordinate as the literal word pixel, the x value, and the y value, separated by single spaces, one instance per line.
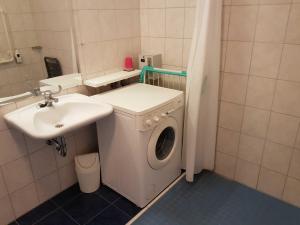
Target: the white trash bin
pixel 87 168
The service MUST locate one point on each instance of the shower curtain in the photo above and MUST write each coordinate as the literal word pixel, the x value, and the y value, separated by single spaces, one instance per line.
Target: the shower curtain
pixel 202 89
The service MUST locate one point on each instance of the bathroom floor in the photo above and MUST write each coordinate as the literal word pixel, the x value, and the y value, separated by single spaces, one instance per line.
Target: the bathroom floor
pixel 210 200
pixel 213 200
pixel 72 207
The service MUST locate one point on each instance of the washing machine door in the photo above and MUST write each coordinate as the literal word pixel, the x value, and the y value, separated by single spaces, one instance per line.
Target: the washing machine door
pixel 162 144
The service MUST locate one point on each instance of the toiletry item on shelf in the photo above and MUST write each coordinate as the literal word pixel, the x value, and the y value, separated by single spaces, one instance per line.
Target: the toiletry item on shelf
pixel 128 63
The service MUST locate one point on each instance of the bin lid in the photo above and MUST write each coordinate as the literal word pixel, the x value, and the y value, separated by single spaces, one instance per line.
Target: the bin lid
pixel 87 161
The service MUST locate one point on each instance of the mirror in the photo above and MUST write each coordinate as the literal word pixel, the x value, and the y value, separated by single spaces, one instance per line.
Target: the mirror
pixel 36 46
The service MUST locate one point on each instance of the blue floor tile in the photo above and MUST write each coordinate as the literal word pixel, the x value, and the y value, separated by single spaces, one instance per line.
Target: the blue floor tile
pixel 85 207
pixel 108 194
pixel 67 195
pixel 127 206
pixel 57 218
pixel 213 200
pixel 111 216
pixel 37 214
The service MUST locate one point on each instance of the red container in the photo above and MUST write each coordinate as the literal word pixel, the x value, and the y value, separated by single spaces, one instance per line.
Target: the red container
pixel 128 63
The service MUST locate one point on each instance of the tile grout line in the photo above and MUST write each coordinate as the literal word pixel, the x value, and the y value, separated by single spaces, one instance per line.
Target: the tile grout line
pixel 275 91
pixel 248 78
pixel 101 211
pixel 136 217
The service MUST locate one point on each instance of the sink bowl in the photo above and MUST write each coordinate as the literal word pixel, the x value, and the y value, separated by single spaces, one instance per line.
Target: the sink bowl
pixel 71 112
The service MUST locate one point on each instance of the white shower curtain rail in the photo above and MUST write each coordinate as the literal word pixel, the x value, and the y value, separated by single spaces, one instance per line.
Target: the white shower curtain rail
pixel 10 50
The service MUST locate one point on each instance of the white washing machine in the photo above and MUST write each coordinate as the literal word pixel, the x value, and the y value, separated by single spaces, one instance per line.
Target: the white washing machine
pixel 140 143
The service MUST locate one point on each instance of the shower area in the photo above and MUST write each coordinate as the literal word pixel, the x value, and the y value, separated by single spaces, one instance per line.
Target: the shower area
pixel 251 101
pixel 258 140
pixel 255 90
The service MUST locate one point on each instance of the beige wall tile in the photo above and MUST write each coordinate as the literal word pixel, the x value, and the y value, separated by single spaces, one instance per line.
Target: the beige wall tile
pixel 67 176
pixel 223 55
pixel 247 173
pixel 297 144
pixel 228 141
pixel 266 59
pixel 108 4
pixel 6 212
pixel 173 52
pixel 277 157
pixel 190 3
pixel 175 22
pixel 17 174
pixel 3 189
pixel 234 88
pixel 108 24
pixel 48 186
pixel 293 33
pixel 251 149
pixel 71 152
pixel 294 170
pixel 291 192
pixel 242 23
pixel 174 3
pixel 271 183
pixel 86 140
pixel 244 2
pixel 87 4
pixel 231 116
pixel 156 4
pixel 290 64
pixel 12 146
pixel 238 57
pixel 34 144
pixel 24 200
pixel 283 129
pixel 274 1
pixel 286 98
pixel 225 22
pixel 271 25
pixel 260 92
pixel 255 122
pixel 43 162
pixel 157 22
pixel 186 52
pixel 92 61
pixel 189 21
pixel 3 110
pixel 226 2
pixel 225 165
pixel 89 26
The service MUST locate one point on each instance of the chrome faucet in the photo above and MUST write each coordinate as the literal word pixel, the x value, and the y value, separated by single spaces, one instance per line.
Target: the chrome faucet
pixel 48 96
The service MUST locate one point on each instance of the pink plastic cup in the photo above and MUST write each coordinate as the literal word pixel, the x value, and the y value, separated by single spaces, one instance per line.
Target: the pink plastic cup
pixel 128 64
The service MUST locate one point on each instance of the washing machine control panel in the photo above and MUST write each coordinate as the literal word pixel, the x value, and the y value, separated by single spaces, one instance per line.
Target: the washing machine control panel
pixel 154 118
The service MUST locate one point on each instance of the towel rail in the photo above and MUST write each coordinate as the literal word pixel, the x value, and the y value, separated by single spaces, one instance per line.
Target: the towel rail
pixel 164 78
pixel 5 26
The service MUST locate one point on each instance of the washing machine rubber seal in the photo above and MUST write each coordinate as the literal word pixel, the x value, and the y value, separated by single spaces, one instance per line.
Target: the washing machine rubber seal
pixel 153 160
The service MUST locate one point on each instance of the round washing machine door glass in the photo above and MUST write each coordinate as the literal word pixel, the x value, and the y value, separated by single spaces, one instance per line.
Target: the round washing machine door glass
pixel 162 144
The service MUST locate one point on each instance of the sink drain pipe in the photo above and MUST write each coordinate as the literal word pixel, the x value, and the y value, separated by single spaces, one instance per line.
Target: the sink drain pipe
pixel 60 145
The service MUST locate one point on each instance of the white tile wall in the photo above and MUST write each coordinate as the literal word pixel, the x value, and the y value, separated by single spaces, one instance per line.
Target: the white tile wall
pixel 258 134
pixel 107 32
pixel 166 28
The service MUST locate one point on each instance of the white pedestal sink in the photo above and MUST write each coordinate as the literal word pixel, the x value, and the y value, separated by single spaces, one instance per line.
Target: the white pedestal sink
pixel 72 111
